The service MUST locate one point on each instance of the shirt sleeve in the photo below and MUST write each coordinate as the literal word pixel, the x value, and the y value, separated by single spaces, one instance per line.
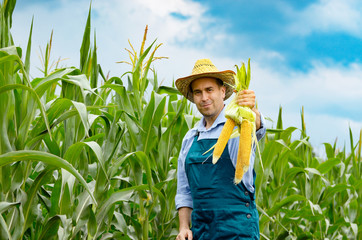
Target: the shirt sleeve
pixel 262 130
pixel 183 195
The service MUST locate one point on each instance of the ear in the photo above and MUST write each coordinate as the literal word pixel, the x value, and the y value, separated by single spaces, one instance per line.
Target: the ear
pixel 223 90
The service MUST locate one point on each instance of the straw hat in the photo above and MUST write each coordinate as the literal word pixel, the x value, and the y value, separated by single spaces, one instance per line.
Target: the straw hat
pixel 205 68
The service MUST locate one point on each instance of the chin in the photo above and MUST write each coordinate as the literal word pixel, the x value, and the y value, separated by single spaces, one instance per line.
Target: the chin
pixel 207 113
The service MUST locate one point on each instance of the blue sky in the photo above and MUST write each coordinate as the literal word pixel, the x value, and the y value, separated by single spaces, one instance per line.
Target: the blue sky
pixel 303 53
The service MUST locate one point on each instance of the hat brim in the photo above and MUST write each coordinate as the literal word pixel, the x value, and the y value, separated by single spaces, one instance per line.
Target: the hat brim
pixel 183 84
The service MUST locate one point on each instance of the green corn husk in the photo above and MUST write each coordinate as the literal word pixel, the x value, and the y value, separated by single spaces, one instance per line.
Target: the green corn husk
pixel 239 113
pixel 233 110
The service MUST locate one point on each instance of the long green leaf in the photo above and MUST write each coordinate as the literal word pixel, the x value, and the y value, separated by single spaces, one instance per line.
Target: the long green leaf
pixel 41 107
pixel 124 194
pixel 332 190
pixel 328 165
pixel 85 48
pixel 151 120
pixel 31 196
pixel 50 229
pixel 5 227
pixel 42 84
pixel 285 201
pixel 6 205
pixel 47 158
pixel 28 49
pixel 168 90
pixel 72 153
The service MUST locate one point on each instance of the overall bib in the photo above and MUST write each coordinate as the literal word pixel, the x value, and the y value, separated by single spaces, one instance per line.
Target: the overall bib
pixel 221 209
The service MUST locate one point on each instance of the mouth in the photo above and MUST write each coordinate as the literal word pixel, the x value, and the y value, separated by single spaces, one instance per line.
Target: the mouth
pixel 206 105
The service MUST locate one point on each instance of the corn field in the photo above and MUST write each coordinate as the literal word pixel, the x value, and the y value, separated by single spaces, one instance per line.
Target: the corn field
pixel 87 156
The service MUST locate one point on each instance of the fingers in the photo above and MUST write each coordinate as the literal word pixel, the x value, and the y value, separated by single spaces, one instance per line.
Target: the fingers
pixel 184 235
pixel 246 98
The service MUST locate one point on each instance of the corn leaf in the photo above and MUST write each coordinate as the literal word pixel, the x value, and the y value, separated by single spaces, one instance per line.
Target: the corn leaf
pixel 47 158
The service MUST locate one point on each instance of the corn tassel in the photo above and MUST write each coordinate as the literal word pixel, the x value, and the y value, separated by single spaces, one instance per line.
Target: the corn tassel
pixel 244 151
pixel 223 139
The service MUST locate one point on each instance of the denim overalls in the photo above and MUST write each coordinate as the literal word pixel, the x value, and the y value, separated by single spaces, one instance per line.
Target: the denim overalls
pixel 221 209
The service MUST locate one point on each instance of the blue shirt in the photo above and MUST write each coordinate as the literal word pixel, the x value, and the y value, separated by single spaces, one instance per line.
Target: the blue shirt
pixel 183 195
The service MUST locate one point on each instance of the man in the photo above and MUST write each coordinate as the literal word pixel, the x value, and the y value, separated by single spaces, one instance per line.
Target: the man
pixel 207 199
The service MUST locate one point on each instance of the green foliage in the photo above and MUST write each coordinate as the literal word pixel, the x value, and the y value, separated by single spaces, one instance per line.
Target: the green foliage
pixel 86 159
pixel 83 156
pixel 302 196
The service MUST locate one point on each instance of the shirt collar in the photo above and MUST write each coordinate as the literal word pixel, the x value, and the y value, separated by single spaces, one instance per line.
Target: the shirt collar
pixel 220 119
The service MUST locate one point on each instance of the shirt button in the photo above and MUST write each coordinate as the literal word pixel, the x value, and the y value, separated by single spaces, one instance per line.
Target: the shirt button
pixel 247 204
pixel 248 215
pixel 246 193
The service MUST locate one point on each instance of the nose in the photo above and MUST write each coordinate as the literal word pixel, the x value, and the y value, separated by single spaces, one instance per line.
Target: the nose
pixel 204 96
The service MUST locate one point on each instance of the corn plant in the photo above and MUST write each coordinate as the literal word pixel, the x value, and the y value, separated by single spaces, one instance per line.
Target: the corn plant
pixel 96 161
pixel 301 196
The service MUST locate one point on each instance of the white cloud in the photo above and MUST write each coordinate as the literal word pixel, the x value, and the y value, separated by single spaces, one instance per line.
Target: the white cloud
pixel 157 14
pixel 318 91
pixel 330 129
pixel 162 8
pixel 334 83
pixel 329 16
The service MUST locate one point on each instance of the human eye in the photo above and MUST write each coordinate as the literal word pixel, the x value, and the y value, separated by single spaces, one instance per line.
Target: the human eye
pixel 196 92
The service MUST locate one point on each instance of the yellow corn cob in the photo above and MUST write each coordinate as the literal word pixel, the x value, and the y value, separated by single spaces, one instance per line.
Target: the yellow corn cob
pixel 243 161
pixel 244 118
pixel 223 139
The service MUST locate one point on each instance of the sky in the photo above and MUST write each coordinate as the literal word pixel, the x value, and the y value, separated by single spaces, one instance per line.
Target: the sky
pixel 304 54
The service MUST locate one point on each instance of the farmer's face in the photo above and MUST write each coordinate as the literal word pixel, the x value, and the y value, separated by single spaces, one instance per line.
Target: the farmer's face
pixel 208 96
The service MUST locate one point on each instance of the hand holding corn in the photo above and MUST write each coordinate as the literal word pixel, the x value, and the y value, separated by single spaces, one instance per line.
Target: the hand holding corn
pixel 246 98
pixel 239 112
